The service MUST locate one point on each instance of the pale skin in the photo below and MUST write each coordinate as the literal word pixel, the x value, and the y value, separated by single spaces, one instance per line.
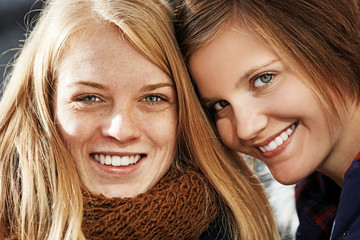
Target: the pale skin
pixel 116 112
pixel 264 109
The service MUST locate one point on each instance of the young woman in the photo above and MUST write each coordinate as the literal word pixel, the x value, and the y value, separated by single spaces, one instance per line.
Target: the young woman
pixel 281 81
pixel 100 137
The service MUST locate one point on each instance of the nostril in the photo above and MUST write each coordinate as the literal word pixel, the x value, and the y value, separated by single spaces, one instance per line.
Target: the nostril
pixel 249 127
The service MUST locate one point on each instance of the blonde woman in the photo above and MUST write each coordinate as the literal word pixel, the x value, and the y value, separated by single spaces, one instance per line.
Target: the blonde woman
pixel 101 137
pixel 281 80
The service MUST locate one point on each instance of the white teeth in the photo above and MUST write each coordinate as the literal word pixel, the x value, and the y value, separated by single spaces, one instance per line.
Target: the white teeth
pixel 132 160
pixel 284 136
pixel 117 161
pixel 289 131
pixel 102 159
pixel 273 145
pixel 279 140
pixel 125 161
pixel 108 160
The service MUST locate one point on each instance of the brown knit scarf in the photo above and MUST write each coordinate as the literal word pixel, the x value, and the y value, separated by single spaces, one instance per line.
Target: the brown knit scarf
pixel 180 206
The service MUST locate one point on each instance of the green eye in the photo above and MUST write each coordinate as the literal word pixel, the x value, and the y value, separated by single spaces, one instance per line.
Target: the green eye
pixel 89 98
pixel 153 98
pixel 263 79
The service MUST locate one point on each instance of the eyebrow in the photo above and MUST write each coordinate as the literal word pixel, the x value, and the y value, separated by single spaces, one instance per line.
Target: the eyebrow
pixel 257 68
pixel 90 84
pixel 151 87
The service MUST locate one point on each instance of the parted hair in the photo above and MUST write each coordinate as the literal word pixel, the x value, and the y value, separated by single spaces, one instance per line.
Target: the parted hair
pixel 320 40
pixel 41 194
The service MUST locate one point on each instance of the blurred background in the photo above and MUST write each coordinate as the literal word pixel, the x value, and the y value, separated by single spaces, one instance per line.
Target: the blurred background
pixel 14 15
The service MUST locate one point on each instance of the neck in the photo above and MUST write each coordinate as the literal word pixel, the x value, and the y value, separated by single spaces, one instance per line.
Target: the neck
pixel 346 146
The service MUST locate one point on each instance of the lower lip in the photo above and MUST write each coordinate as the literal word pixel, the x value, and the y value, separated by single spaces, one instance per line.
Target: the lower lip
pixel 121 170
pixel 279 149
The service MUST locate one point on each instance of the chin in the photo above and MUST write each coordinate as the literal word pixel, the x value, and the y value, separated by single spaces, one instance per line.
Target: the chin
pixel 287 176
pixel 110 192
pixel 120 195
pixel 286 179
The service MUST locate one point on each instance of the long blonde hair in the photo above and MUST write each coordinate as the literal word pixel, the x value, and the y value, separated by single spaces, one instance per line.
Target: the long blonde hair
pixel 40 188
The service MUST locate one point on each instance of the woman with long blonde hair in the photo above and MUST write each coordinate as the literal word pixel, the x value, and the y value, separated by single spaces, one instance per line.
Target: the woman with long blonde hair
pixel 101 137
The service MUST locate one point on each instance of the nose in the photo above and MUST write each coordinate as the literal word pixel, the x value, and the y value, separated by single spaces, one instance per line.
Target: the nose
pixel 249 120
pixel 121 126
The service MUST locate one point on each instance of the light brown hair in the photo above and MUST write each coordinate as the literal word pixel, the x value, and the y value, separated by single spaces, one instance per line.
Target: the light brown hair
pixel 318 39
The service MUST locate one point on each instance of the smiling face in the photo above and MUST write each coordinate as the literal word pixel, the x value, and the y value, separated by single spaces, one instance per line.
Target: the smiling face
pixel 117 114
pixel 260 106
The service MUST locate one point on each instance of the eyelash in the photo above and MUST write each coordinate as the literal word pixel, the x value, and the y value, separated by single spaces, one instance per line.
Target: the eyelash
pixel 86 99
pixel 97 99
pixel 213 107
pixel 267 74
pixel 159 98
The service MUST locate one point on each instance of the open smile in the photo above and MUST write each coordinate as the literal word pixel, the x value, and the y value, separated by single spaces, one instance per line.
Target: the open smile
pixel 117 161
pixel 279 140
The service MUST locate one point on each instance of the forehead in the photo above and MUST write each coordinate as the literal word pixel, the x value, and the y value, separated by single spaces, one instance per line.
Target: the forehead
pixel 228 56
pixel 97 43
pixel 106 51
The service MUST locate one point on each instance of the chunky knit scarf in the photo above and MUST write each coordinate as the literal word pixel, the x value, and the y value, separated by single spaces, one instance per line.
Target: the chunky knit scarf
pixel 180 206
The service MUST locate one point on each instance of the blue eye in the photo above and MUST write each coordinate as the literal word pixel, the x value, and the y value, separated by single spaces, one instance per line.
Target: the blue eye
pixel 220 105
pixel 153 98
pixel 263 79
pixel 88 98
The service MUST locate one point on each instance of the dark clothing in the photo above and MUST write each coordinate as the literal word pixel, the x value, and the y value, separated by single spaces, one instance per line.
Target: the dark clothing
pixel 347 222
pixel 319 200
pixel 317 197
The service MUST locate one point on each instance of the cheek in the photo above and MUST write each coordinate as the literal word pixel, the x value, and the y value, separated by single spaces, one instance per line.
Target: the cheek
pixel 167 130
pixel 226 132
pixel 162 129
pixel 74 131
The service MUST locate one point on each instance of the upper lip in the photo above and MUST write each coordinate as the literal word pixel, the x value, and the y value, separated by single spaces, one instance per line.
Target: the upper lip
pixel 269 139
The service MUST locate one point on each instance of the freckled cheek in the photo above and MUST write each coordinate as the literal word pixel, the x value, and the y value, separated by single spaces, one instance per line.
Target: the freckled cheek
pixel 75 132
pixel 162 129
